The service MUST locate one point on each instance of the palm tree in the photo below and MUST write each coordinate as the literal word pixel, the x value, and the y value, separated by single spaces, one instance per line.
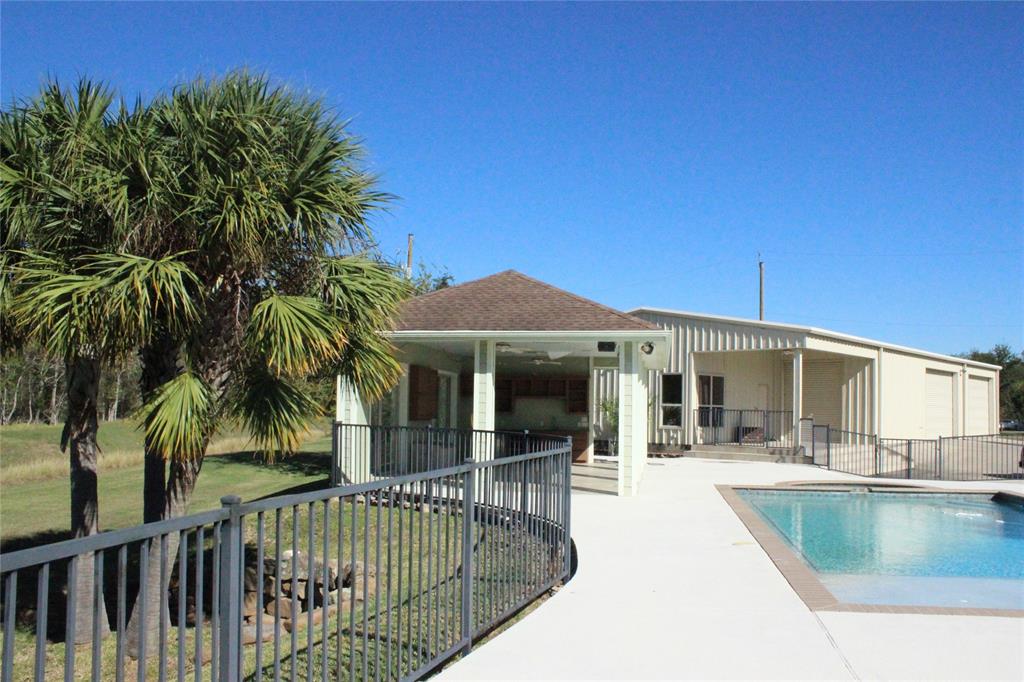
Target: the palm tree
pixel 263 193
pixel 65 203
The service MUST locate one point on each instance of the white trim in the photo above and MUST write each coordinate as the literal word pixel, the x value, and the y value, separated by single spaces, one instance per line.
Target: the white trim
pixel 453 399
pixel 471 335
pixel 815 331
pixel 680 405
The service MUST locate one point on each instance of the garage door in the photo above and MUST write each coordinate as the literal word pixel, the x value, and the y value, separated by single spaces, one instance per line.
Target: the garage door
pixel 978 414
pixel 823 396
pixel 938 418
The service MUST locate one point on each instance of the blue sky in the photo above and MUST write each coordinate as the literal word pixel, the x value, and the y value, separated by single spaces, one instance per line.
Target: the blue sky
pixel 644 154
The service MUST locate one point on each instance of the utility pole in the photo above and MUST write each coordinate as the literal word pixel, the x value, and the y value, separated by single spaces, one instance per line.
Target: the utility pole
pixel 408 259
pixel 760 270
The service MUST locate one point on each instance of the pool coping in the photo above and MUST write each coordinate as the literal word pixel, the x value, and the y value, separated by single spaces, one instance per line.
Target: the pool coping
pixel 803 580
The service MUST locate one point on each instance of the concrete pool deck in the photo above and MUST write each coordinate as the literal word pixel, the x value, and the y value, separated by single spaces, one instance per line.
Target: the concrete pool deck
pixel 671 585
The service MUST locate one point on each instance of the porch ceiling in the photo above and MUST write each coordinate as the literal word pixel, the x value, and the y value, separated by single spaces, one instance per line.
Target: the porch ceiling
pixel 553 345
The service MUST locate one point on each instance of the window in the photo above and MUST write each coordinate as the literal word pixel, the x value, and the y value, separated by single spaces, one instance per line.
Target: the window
pixel 710 399
pixel 672 400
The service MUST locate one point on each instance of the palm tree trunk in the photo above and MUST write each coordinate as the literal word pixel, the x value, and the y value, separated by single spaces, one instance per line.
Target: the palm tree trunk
pixel 166 492
pixel 181 481
pixel 159 362
pixel 209 357
pixel 80 430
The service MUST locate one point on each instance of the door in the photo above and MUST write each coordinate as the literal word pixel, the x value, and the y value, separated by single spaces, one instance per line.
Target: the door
pixel 938 417
pixel 978 406
pixel 822 392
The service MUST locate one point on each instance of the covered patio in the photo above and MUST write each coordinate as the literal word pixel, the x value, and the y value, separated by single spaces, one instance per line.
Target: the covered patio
pixel 509 353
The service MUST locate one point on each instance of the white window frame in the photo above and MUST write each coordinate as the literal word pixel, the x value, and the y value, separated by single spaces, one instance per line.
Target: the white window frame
pixel 662 404
pixel 453 399
pixel 715 418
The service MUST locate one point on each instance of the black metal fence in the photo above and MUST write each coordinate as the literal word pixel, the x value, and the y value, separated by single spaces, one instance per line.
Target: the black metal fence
pixel 364 453
pixel 385 579
pixel 760 428
pixel 958 458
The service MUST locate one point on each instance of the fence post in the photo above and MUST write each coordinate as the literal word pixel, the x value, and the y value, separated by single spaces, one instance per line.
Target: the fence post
pixel 335 457
pixel 828 446
pixel 910 459
pixel 764 427
pixel 468 514
pixel 567 511
pixel 878 455
pixel 230 601
pixel 938 459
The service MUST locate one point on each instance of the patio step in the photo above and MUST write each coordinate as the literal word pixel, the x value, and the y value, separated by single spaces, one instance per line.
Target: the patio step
pixel 748 454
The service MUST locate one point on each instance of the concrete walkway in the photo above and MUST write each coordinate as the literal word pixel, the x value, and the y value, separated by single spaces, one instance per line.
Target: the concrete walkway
pixel 671 585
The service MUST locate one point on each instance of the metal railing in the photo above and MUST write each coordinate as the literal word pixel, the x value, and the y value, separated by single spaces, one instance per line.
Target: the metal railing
pixel 970 458
pixel 956 458
pixel 370 452
pixel 760 428
pixel 386 579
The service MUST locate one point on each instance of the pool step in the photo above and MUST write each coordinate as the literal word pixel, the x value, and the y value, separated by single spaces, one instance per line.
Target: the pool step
pixel 748 454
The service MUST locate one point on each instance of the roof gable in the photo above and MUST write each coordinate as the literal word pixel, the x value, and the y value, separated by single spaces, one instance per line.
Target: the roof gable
pixel 511 301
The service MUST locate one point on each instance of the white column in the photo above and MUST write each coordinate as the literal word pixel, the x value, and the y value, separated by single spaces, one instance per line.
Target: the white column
pixel 338 397
pixel 689 393
pixel 798 388
pixel 632 434
pixel 483 398
pixel 876 393
pixel 353 439
pixel 483 385
pixel 593 409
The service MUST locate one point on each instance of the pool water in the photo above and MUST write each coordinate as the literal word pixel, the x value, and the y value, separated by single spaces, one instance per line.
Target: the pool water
pixel 928 549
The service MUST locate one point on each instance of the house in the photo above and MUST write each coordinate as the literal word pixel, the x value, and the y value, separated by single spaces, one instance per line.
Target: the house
pixel 728 380
pixel 510 353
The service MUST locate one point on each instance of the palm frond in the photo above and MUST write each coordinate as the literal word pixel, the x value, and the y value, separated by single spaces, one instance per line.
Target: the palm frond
pixel 58 306
pixel 106 303
pixel 369 363
pixel 294 334
pixel 141 292
pixel 277 410
pixel 367 296
pixel 178 418
pixel 362 292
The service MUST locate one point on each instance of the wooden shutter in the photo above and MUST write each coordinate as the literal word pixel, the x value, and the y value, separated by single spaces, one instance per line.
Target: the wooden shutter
pixel 422 393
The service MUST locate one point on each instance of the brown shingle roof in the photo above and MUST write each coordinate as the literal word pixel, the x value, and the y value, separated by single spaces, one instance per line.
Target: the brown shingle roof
pixel 511 301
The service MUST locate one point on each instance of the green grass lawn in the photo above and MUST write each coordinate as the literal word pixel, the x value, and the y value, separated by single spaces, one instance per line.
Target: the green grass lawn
pixel 412 615
pixel 35 495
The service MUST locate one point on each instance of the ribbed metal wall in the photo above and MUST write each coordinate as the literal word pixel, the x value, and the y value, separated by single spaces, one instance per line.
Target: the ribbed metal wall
pixel 693 335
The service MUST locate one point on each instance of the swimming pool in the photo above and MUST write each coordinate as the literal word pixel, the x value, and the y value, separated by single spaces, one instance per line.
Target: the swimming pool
pixel 899 548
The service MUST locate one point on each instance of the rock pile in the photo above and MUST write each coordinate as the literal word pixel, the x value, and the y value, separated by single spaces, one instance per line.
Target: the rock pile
pixel 292 578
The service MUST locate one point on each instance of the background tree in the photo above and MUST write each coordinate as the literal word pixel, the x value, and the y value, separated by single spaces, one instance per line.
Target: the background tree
pixel 1011 378
pixel 431 278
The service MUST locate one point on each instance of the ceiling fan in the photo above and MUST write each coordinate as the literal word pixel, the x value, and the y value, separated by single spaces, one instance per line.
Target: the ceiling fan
pixel 504 347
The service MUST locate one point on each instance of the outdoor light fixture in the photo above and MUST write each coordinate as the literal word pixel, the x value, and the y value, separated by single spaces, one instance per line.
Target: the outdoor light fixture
pixel 647 348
